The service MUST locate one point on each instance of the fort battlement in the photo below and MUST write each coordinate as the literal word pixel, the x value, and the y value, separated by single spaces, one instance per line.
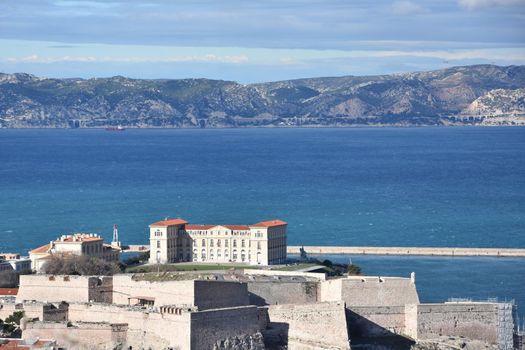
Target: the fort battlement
pixel 307 312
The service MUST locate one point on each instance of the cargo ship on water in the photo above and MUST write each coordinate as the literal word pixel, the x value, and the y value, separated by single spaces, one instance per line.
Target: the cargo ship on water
pixel 117 128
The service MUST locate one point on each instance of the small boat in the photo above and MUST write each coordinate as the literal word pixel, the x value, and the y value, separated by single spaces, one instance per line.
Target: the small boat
pixel 118 128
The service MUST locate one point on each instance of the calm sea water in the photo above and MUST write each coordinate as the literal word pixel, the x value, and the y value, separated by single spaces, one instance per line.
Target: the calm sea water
pixel 383 187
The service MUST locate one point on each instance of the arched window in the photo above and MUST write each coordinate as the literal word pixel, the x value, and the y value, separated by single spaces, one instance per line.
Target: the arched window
pixel 203 254
pixel 243 255
pixel 211 254
pixel 234 254
pixel 158 244
pixel 203 242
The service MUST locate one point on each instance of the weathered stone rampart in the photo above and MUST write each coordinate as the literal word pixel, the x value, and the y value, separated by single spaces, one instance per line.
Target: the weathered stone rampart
pixel 313 275
pixel 202 294
pixel 214 326
pixel 80 336
pixel 278 292
pixel 219 294
pixel 203 329
pixel 164 293
pixel 300 311
pixel 375 321
pixel 489 322
pixel 378 291
pixel 77 289
pixel 312 326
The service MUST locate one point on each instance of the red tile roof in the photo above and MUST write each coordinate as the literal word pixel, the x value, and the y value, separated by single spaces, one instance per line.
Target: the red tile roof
pixel 270 223
pixel 237 227
pixel 199 226
pixel 169 222
pixel 42 249
pixel 207 227
pixel 21 344
pixel 8 291
pixel 13 345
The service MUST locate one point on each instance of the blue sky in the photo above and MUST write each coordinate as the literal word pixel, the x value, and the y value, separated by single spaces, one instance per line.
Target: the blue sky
pixel 253 41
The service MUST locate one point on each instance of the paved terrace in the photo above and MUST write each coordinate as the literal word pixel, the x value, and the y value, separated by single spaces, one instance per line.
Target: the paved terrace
pixel 507 252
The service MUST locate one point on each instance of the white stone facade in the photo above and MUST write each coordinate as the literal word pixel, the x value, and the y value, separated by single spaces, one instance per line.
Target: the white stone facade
pixel 263 243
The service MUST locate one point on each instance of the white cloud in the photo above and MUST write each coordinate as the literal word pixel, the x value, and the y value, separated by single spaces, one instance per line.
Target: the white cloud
pixel 481 54
pixel 475 4
pixel 236 59
pixel 405 7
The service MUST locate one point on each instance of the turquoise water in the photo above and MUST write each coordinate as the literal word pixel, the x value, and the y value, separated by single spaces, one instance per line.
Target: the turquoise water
pixel 382 187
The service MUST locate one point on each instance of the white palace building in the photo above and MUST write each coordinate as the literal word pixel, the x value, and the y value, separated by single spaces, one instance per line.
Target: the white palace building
pixel 176 240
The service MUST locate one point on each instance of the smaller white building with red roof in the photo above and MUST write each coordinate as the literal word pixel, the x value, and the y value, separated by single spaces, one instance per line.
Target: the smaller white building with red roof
pixel 78 244
pixel 176 240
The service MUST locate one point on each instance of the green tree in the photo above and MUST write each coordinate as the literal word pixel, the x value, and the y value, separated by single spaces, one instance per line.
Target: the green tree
pixel 354 269
pixel 80 266
pixel 303 255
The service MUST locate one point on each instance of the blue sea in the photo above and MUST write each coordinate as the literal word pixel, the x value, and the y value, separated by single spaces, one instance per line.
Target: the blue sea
pixel 371 186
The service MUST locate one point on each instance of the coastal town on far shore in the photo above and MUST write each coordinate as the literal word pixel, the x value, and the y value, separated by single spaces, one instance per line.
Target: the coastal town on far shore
pixel 222 286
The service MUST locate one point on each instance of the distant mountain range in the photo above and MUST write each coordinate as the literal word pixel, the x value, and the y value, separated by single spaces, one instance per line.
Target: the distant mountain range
pixel 470 95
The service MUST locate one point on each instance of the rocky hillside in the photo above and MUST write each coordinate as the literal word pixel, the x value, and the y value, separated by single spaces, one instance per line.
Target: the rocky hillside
pixel 454 96
pixel 499 106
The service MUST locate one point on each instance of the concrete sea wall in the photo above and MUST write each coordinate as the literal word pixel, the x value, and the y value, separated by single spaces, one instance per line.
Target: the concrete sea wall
pixel 516 252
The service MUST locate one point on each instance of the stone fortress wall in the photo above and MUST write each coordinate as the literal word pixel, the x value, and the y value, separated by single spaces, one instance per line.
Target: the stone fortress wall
pixel 81 336
pixel 319 326
pixel 71 288
pixel 282 292
pixel 204 294
pixel 94 326
pixel 211 326
pixel 310 313
pixel 375 306
pixel 490 322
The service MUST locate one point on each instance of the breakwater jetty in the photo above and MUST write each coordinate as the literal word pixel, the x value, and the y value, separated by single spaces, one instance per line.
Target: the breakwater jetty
pixel 433 251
